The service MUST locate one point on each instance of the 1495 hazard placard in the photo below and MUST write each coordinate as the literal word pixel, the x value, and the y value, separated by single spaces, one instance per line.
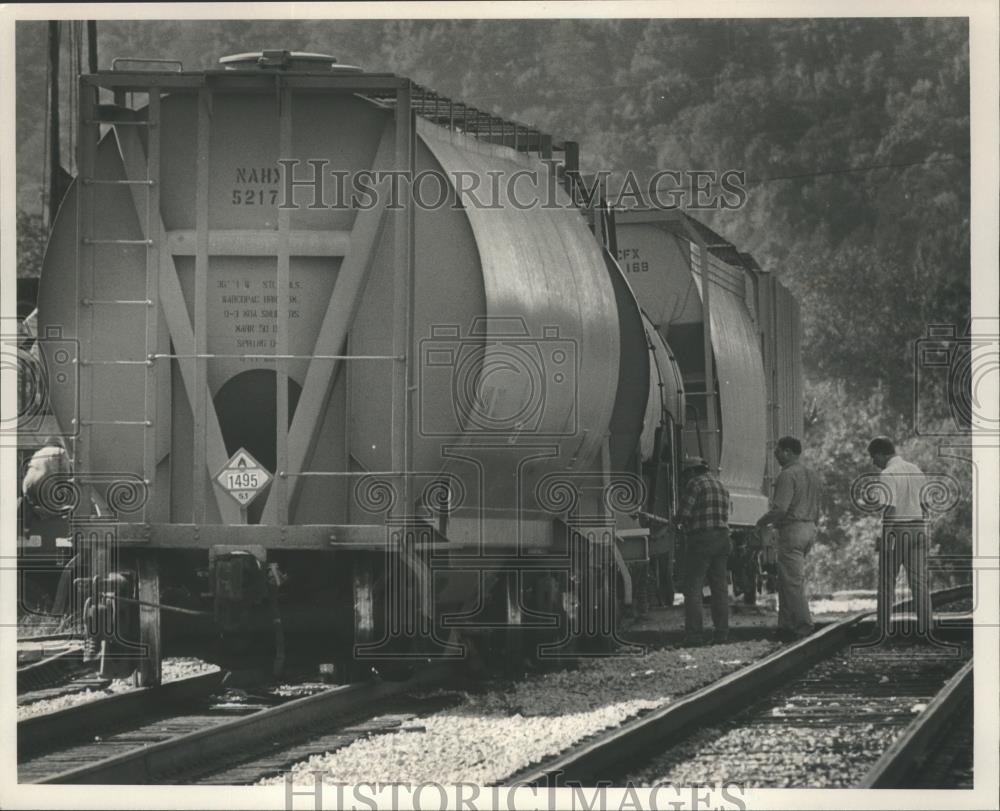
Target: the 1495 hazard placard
pixel 243 477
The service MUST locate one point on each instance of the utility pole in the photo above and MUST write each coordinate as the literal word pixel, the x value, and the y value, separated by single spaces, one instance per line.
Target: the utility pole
pixel 55 166
pixel 92 46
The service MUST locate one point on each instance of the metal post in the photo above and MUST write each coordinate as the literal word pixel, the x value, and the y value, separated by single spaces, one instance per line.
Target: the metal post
pixel 200 481
pixel 92 45
pixel 149 673
pixel 571 166
pixel 599 230
pixel 545 151
pixel 84 328
pixel 55 164
pixel 545 146
pixel 152 428
pixel 712 427
pixel 773 394
pixel 403 302
pixel 283 277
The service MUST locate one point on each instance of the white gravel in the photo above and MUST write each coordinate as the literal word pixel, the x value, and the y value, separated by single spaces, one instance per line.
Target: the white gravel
pixel 492 735
pixel 182 667
pixel 173 669
pixel 300 689
pixel 842 605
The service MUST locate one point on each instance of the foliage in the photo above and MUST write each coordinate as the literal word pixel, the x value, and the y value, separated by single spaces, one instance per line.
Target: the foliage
pixel 845 556
pixel 836 438
pixel 32 236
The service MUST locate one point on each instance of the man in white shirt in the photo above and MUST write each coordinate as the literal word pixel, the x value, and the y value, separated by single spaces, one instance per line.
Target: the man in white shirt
pixel 904 532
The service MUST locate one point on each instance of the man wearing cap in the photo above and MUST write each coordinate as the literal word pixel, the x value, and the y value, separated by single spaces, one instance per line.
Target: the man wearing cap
pixel 904 531
pixel 48 461
pixel 794 511
pixel 704 514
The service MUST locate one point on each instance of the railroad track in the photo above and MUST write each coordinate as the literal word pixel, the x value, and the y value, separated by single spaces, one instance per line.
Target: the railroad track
pixel 197 745
pixel 54 675
pixel 950 764
pixel 179 733
pixel 55 636
pixel 935 750
pixel 83 733
pixel 839 714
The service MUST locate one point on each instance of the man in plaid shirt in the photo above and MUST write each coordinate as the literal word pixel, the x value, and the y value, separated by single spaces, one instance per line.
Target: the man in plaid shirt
pixel 704 514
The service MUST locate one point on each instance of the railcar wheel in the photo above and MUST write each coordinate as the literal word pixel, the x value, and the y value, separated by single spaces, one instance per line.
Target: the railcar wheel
pixel 545 599
pixel 149 672
pixel 512 646
pixel 760 578
pixel 665 580
pixel 599 610
pixel 373 647
pixel 641 573
pixel 753 577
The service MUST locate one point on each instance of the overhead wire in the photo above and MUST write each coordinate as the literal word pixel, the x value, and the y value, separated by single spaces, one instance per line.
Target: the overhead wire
pixel 854 169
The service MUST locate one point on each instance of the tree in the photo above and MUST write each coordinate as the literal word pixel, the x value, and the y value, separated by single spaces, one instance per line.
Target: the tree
pixel 32 236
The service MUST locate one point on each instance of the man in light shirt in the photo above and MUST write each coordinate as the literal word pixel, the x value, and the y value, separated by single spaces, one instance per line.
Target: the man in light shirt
pixel 794 510
pixel 904 532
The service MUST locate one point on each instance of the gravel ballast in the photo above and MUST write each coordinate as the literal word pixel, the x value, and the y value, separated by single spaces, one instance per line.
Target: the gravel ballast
pixel 826 730
pixel 492 735
pixel 173 669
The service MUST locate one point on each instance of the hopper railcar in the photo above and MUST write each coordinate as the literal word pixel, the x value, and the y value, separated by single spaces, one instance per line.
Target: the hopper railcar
pixel 741 333
pixel 397 429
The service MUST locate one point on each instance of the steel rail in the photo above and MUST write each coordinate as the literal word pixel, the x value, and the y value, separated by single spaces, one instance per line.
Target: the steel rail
pixel 891 770
pixel 940 597
pixel 641 736
pixel 191 752
pixel 53 637
pixel 42 733
pixel 44 672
